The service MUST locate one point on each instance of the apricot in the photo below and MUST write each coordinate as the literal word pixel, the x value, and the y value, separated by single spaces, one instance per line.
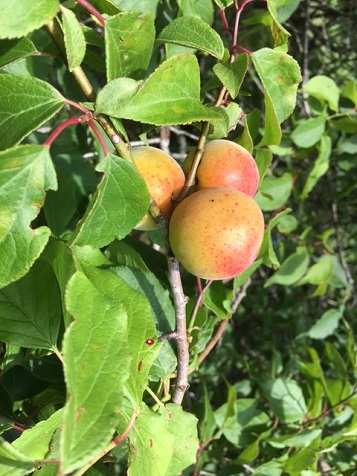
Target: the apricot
pixel 216 233
pixel 226 164
pixel 164 179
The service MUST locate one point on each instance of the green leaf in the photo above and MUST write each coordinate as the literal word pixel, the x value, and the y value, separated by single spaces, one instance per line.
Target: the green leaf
pixel 243 277
pixel 74 40
pixel 19 17
pixel 141 5
pixel 263 158
pixel 26 318
pixel 326 325
pixel 13 50
pixel 280 76
pixel 309 132
pixel 272 131
pixel 319 272
pixel 267 252
pixel 116 96
pixel 286 399
pixel 301 460
pixel 349 91
pixel 321 165
pixel 280 34
pixel 325 89
pixel 148 285
pixel 231 75
pixel 171 95
pixel 194 33
pixel 274 192
pixel 26 172
pixel 162 443
pixel 121 200
pixel 96 340
pixel 36 442
pixel 303 439
pixel 59 256
pixel 141 332
pixel 25 104
pixel 207 423
pixel 129 41
pixel 247 421
pixel 13 462
pixel 223 3
pixel 293 269
pixel 162 311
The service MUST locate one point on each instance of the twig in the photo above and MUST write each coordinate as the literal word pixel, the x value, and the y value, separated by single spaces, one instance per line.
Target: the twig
pixel 236 300
pixel 180 302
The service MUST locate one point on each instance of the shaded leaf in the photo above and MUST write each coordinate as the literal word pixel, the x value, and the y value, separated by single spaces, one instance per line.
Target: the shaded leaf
pixel 30 309
pixel 194 33
pixel 26 172
pixel 286 399
pixel 13 50
pixel 25 104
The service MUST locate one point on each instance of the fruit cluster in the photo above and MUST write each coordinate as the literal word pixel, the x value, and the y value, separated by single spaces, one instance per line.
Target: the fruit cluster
pixel 217 231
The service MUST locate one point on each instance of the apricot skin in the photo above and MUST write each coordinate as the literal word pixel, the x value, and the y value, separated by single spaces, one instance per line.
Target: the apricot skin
pixel 164 179
pixel 226 164
pixel 216 233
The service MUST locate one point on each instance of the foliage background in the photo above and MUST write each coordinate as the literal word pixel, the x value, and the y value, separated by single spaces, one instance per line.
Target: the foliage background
pixel 277 395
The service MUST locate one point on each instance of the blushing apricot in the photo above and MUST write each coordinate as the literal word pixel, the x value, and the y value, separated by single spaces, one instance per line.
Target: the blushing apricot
pixel 216 233
pixel 164 179
pixel 226 164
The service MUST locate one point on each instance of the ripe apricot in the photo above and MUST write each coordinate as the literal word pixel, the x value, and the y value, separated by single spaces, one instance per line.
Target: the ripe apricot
pixel 164 179
pixel 216 233
pixel 226 164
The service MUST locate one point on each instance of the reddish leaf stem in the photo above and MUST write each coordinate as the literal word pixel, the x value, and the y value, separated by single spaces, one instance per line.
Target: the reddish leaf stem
pixel 122 437
pixel 78 106
pixel 69 122
pixel 99 136
pixel 91 10
pixel 224 21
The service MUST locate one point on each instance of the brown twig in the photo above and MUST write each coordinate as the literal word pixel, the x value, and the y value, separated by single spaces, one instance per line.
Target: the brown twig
pixel 236 300
pixel 180 302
